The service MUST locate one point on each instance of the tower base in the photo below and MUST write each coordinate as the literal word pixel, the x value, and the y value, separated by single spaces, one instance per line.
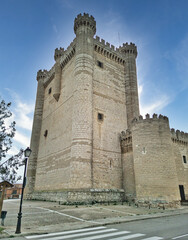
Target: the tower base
pixel 79 196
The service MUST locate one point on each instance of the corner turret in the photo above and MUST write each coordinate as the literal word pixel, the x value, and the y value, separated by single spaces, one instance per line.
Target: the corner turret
pixel 129 49
pixel 57 81
pixel 58 53
pixel 85 23
pixel 41 74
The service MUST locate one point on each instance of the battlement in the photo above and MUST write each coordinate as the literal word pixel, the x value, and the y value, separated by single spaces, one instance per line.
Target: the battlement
pixel 108 50
pixel 68 54
pixel 41 74
pixel 179 136
pixel 85 20
pixel 49 76
pixel 148 118
pixel 58 53
pixel 129 49
pixel 106 44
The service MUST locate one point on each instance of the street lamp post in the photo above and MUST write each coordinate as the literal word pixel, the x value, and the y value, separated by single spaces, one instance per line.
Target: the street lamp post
pixel 27 153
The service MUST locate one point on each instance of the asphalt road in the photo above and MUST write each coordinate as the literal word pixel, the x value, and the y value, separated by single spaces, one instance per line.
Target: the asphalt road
pixel 171 227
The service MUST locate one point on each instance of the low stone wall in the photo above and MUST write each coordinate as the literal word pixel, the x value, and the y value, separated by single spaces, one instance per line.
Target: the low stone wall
pixel 79 196
pixel 157 204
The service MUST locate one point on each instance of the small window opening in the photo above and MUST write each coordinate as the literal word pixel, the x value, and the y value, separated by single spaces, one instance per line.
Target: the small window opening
pixel 50 90
pixel 99 64
pixel 184 159
pixel 100 116
pixel 110 163
pixel 46 133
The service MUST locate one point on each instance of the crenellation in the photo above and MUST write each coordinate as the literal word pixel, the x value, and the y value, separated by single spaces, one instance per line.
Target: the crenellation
pixel 148 118
pixel 113 47
pixel 179 136
pixel 85 20
pixel 126 141
pixel 108 50
pixel 129 49
pixel 103 41
pixel 58 53
pixel 68 54
pixel 41 74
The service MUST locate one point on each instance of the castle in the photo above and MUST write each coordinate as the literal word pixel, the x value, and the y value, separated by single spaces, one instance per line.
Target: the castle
pixel 89 142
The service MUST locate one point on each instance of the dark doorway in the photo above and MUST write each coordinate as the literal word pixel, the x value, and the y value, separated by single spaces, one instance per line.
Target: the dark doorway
pixel 182 193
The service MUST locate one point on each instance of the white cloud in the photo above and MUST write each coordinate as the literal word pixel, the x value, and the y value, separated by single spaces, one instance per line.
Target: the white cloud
pixel 140 89
pixel 20 138
pixel 155 106
pixel 20 111
pixel 21 115
pixel 13 151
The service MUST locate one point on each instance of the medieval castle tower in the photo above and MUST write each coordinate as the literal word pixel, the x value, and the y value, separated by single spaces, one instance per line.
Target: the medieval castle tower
pixel 89 142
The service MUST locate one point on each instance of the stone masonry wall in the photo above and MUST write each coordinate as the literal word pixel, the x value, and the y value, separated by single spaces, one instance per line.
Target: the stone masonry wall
pixel 75 196
pixel 109 101
pixel 128 165
pixel 180 149
pixel 53 164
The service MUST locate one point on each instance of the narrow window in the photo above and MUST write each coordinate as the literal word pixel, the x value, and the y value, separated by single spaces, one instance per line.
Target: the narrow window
pixel 100 116
pixel 46 133
pixel 184 159
pixel 99 64
pixel 49 90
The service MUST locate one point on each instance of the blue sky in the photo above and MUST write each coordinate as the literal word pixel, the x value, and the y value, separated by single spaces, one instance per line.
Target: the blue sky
pixel 31 30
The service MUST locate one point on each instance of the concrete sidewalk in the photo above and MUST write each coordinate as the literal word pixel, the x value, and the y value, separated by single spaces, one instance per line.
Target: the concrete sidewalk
pixel 44 217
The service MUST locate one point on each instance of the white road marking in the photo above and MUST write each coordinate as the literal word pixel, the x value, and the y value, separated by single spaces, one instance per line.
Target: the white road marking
pixel 153 238
pixel 180 236
pixel 64 233
pixel 104 235
pixel 129 236
pixel 66 215
pixel 82 234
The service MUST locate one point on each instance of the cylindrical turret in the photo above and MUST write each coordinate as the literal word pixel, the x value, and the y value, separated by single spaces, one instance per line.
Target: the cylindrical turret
pixel 82 116
pixel 131 88
pixel 154 164
pixel 34 145
pixel 57 81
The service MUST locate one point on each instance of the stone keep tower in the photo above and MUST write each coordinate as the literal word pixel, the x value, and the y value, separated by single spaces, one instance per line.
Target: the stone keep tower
pixel 82 105
pixel 89 142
